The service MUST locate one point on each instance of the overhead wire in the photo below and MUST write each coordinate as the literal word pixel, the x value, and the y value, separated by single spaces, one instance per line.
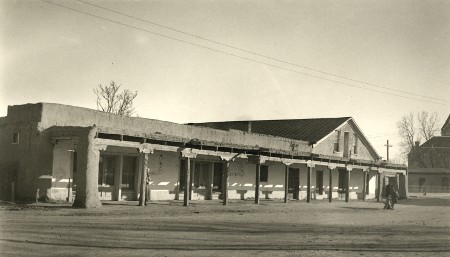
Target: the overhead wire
pixel 255 53
pixel 237 56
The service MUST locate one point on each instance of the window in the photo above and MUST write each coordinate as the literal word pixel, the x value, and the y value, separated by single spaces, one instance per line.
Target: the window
pixel 355 147
pixel 421 181
pixel 128 172
pixel 15 139
pixel 338 138
pixel 346 144
pixel 264 173
pixel 201 174
pixel 106 172
pixel 445 182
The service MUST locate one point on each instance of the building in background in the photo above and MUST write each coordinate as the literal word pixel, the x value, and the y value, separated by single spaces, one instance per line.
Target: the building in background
pixel 429 164
pixel 52 150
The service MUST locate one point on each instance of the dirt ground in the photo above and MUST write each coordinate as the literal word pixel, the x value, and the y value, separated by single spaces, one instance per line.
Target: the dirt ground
pixel 417 227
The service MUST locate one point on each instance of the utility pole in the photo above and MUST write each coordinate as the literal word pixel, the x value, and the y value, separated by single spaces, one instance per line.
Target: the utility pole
pixel 387 149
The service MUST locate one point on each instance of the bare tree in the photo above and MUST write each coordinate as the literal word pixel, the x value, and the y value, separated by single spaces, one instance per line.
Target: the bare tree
pixel 109 99
pixel 410 133
pixel 427 124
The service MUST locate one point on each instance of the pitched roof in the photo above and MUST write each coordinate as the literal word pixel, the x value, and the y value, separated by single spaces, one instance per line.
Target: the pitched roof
pixel 311 130
pixel 437 142
pixel 446 124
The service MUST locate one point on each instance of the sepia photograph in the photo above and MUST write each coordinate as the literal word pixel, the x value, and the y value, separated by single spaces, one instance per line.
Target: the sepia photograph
pixel 238 128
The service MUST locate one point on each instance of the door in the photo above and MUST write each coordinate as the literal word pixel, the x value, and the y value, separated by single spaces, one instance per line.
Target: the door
pixel 294 182
pixel 343 181
pixel 106 173
pixel 203 179
pixel 319 182
pixel 129 170
pixel 217 180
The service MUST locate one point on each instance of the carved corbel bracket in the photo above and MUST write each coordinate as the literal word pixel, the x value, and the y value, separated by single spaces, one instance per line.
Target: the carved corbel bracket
pixel 310 164
pixel 228 156
pixel 100 147
pixel 187 153
pixel 145 148
pixel 332 166
pixel 349 167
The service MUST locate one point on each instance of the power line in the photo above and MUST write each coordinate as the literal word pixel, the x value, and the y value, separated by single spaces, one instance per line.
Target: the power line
pixel 383 133
pixel 238 56
pixel 256 53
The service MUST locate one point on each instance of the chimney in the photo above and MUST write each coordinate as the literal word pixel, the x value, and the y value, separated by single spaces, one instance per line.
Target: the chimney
pixel 416 143
pixel 249 127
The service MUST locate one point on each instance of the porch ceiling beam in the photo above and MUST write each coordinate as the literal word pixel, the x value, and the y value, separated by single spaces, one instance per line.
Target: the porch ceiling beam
pixel 393 171
pixel 318 160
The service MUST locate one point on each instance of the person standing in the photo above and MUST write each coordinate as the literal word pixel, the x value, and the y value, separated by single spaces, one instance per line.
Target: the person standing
pixel 394 197
pixel 387 195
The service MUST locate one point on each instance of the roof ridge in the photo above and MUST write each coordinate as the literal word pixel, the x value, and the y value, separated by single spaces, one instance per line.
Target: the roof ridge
pixel 334 118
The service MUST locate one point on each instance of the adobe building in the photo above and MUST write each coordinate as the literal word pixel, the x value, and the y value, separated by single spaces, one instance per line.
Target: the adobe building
pixel 429 164
pixel 76 154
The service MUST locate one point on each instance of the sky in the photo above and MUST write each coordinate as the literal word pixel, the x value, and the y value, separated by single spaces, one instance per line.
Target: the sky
pixel 400 50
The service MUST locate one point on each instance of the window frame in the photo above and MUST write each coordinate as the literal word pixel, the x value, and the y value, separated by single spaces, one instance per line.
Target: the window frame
pixel 336 145
pixel 16 135
pixel 264 169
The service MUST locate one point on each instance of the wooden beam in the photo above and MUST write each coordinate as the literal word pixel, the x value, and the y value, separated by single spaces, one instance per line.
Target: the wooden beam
pixel 225 175
pixel 187 186
pixel 286 184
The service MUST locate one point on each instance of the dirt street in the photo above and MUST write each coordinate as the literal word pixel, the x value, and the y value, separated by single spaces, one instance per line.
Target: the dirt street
pixel 417 227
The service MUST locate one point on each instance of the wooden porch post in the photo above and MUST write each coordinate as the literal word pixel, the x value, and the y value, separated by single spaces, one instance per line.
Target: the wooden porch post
pixel 209 184
pixel 225 176
pixel 257 181
pixel 187 186
pixel 145 150
pixel 143 186
pixel 331 167
pixel 118 175
pixel 310 165
pixel 188 183
pixel 191 178
pixel 364 192
pixel 347 189
pixel 286 183
pixel 406 184
pixel 379 189
pixel 397 182
pixel 178 186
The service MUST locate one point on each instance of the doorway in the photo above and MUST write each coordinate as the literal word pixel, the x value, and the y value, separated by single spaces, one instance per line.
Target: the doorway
pixel 319 182
pixel 343 181
pixel 106 176
pixel 294 183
